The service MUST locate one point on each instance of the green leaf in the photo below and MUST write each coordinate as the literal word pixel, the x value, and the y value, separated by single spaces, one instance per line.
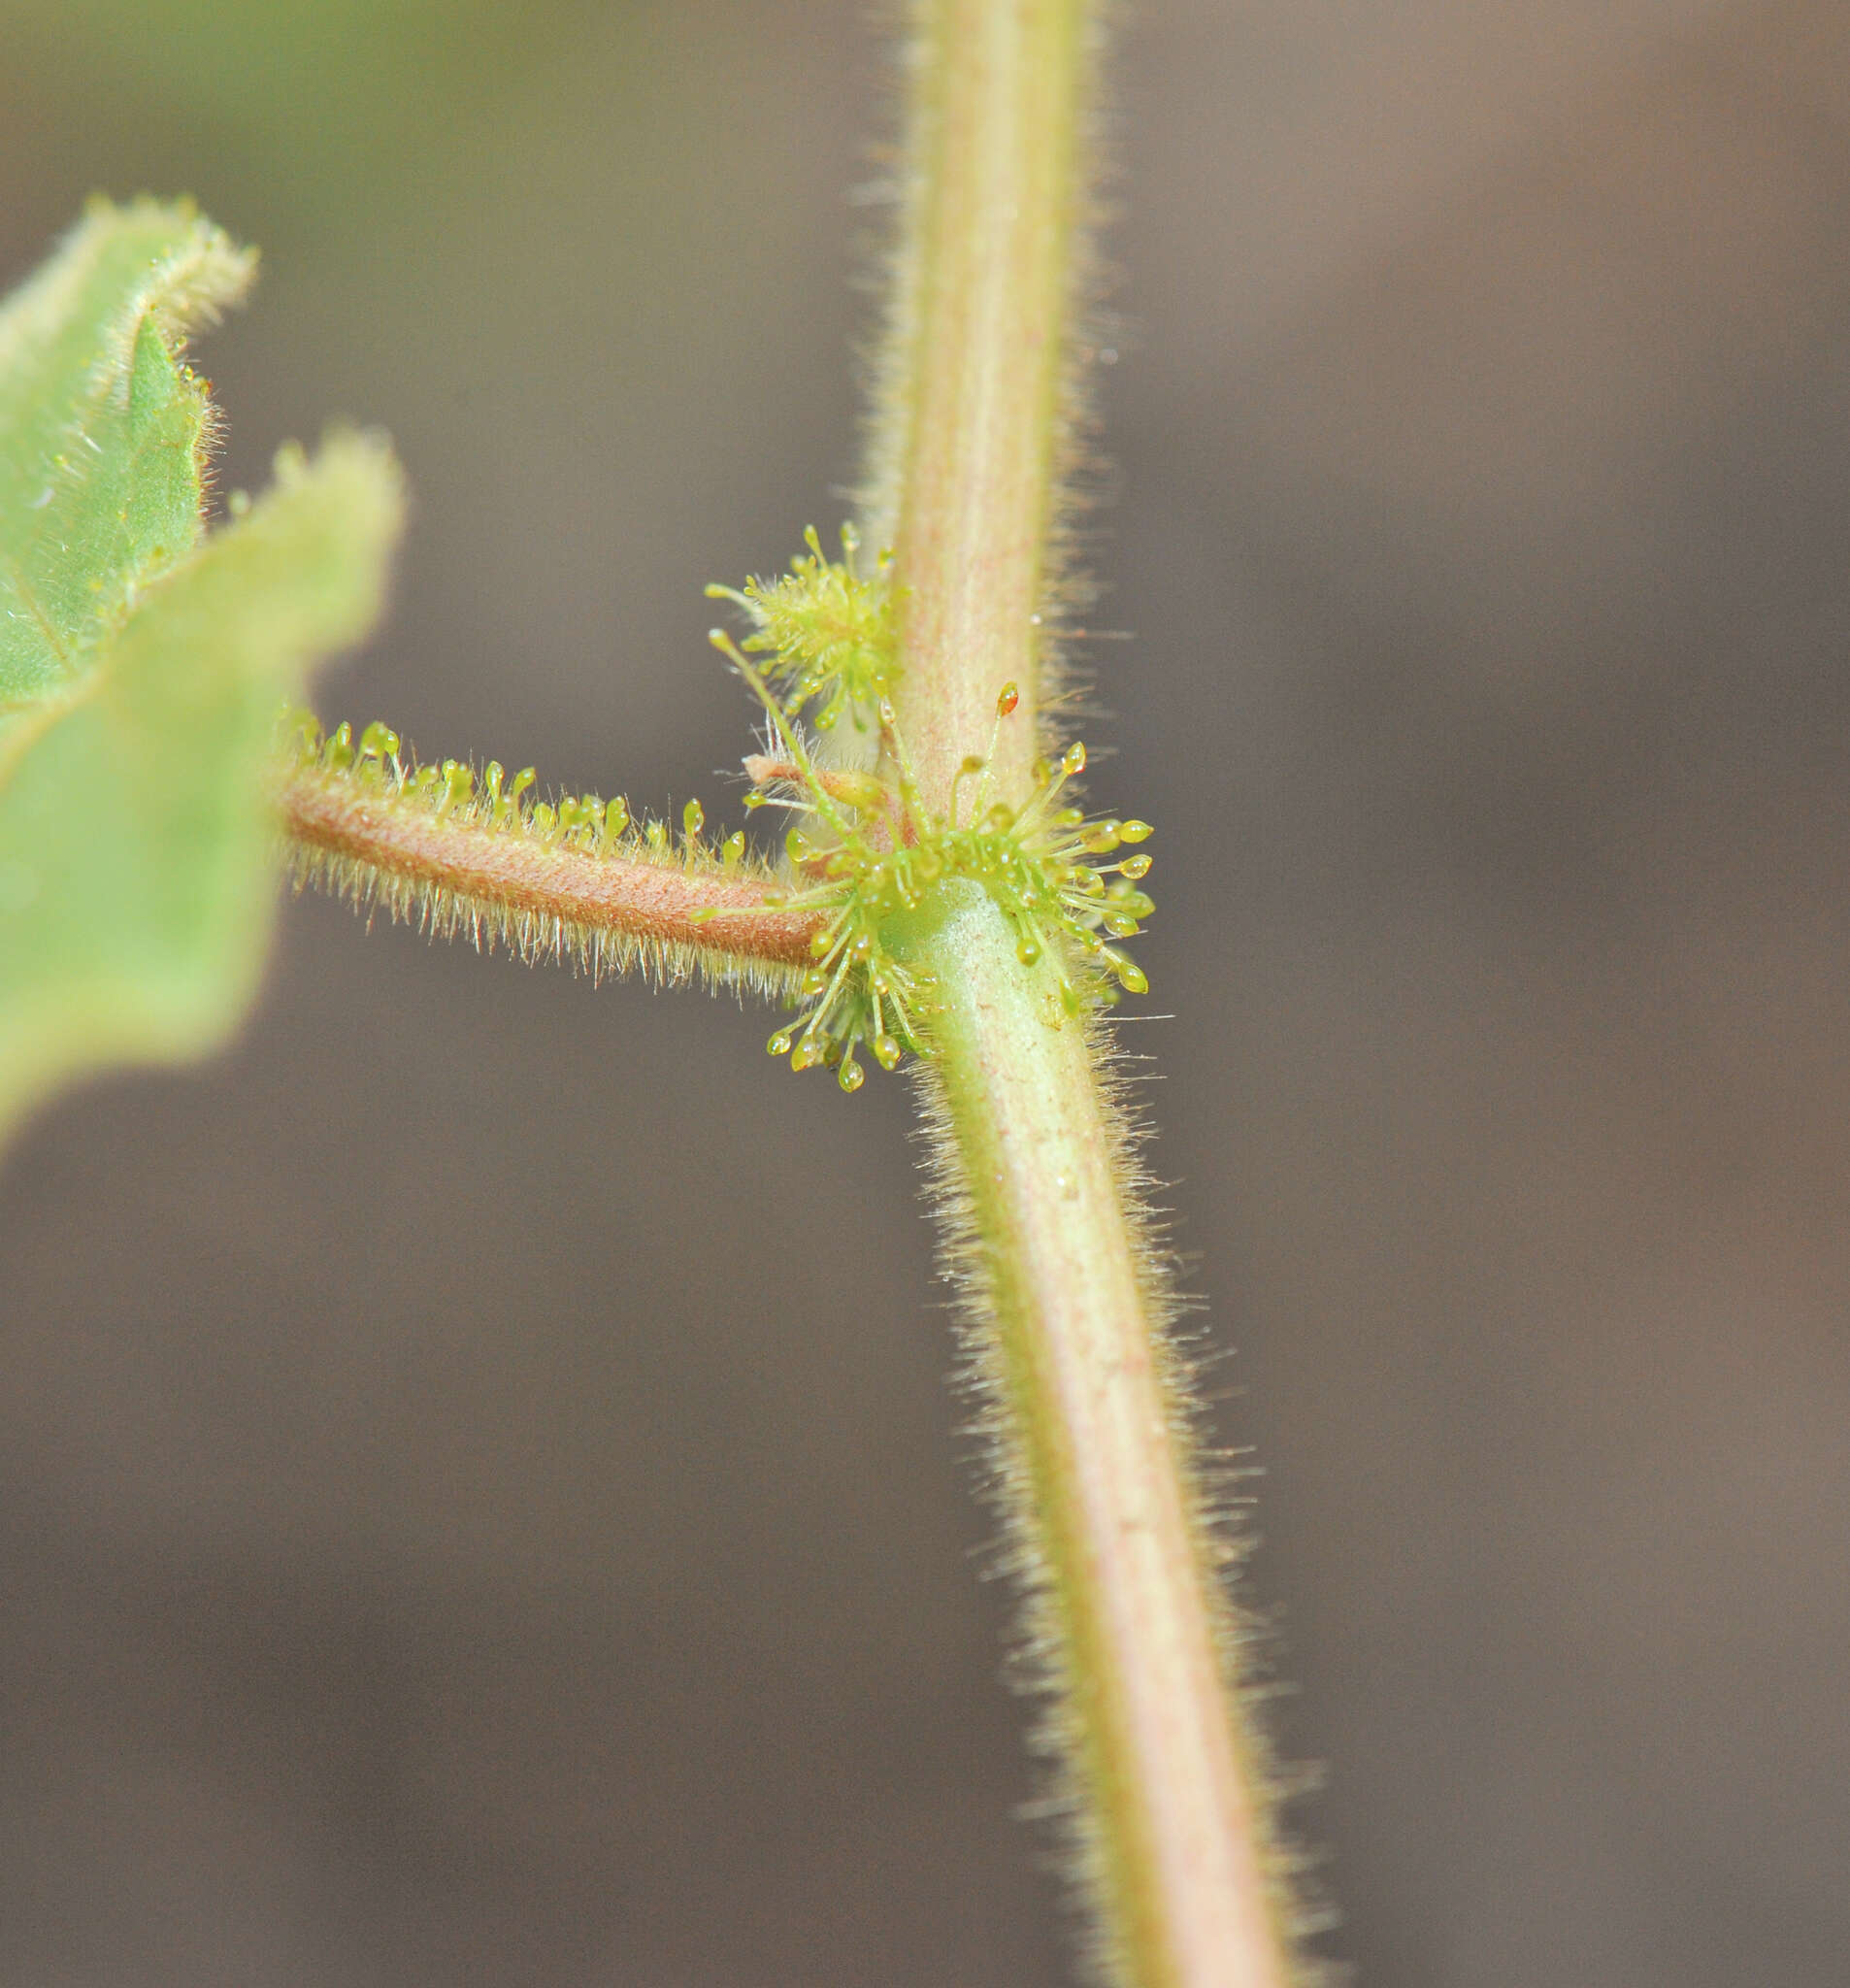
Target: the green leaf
pixel 141 663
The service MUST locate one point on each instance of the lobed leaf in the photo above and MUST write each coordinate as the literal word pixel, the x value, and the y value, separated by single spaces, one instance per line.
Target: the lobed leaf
pixel 140 662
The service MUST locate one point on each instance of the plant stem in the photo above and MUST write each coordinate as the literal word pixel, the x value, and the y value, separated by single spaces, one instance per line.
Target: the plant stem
pixel 609 909
pixel 970 407
pixel 1064 1299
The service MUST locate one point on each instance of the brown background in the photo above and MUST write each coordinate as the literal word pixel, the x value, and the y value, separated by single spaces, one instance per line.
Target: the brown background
pixel 478 1504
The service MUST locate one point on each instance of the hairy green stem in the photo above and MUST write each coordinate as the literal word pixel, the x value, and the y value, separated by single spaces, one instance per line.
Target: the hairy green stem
pixel 1167 1796
pixel 1064 1299
pixel 609 909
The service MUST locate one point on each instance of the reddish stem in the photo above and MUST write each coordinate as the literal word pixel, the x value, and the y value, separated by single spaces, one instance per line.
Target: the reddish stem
pixel 597 890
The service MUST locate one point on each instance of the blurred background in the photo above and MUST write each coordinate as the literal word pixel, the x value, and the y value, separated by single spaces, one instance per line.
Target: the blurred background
pixel 478 1499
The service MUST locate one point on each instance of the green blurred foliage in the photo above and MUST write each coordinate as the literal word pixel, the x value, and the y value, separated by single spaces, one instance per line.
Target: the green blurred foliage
pixel 330 87
pixel 140 664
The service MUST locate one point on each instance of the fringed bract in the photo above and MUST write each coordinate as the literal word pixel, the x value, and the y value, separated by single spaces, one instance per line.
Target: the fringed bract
pixel 880 854
pixel 824 632
pixel 462 855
